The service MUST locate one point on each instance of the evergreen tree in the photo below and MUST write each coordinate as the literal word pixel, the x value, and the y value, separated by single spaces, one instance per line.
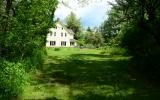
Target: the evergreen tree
pixel 74 23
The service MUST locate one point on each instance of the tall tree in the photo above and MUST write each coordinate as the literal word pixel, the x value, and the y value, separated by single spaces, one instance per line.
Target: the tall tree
pixel 141 33
pixel 111 26
pixel 89 29
pixel 24 25
pixel 94 38
pixel 23 29
pixel 73 23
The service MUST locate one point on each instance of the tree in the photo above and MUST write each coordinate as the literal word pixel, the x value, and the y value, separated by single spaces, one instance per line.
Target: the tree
pixel 94 38
pixel 23 29
pixel 73 23
pixel 89 29
pixel 24 26
pixel 111 26
pixel 141 33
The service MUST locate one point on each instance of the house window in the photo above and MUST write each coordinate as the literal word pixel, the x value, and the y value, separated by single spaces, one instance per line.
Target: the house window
pixel 54 33
pixel 63 43
pixel 52 43
pixel 61 34
pixel 62 28
pixel 71 43
pixel 65 34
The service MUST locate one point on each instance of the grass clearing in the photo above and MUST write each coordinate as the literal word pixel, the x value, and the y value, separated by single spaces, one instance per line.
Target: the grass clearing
pixel 86 74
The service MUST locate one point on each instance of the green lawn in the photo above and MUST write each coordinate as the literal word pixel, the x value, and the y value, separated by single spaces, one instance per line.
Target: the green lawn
pixel 86 74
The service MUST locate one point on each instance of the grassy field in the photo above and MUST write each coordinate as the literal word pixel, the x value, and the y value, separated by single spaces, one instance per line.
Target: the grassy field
pixel 86 74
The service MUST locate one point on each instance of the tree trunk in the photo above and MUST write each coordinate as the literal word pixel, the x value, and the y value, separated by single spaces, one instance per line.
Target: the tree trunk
pixel 7 10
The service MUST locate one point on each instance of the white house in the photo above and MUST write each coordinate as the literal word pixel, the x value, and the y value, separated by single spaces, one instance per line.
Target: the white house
pixel 60 36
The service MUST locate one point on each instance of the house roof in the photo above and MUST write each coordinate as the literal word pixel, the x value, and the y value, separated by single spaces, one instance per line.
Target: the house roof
pixel 68 30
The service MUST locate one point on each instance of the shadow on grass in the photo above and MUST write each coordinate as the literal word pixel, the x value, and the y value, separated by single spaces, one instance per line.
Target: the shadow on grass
pixel 92 55
pixel 98 79
pixel 76 70
pixel 91 96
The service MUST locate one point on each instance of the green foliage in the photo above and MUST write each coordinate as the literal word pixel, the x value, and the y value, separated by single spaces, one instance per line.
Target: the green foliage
pixel 81 42
pixel 111 26
pixel 12 80
pixel 111 50
pixel 38 58
pixel 94 39
pixel 138 32
pixel 23 29
pixel 73 23
pixel 90 46
pixel 57 49
pixel 35 61
pixel 89 29
pixel 143 46
pixel 26 29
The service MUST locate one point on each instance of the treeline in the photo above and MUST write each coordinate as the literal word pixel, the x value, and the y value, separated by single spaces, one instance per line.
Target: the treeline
pixel 86 38
pixel 135 25
pixel 23 29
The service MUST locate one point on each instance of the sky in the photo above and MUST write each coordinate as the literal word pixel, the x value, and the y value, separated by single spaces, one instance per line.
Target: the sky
pixel 91 14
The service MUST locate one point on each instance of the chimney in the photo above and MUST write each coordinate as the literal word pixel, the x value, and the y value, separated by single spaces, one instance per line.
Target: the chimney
pixel 58 19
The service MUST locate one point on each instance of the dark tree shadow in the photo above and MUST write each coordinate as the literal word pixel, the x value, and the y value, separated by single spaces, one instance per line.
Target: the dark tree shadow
pixel 92 96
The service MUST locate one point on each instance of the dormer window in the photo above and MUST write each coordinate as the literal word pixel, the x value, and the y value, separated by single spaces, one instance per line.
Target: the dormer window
pixel 54 33
pixel 65 34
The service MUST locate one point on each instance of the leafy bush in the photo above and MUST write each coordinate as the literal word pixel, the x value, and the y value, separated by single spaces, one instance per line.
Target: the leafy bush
pixel 90 46
pixel 81 42
pixel 36 60
pixel 12 80
pixel 57 49
pixel 113 50
pixel 96 39
pixel 38 57
pixel 117 51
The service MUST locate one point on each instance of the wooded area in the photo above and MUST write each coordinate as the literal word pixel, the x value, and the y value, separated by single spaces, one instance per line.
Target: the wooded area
pixel 23 29
pixel 138 25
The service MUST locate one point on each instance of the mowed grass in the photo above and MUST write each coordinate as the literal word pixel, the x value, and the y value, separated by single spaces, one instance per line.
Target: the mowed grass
pixel 86 74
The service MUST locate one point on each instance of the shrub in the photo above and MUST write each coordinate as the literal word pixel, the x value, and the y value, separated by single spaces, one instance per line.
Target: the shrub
pixel 39 56
pixel 36 60
pixel 90 46
pixel 57 49
pixel 117 51
pixel 12 80
pixel 81 42
pixel 114 51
